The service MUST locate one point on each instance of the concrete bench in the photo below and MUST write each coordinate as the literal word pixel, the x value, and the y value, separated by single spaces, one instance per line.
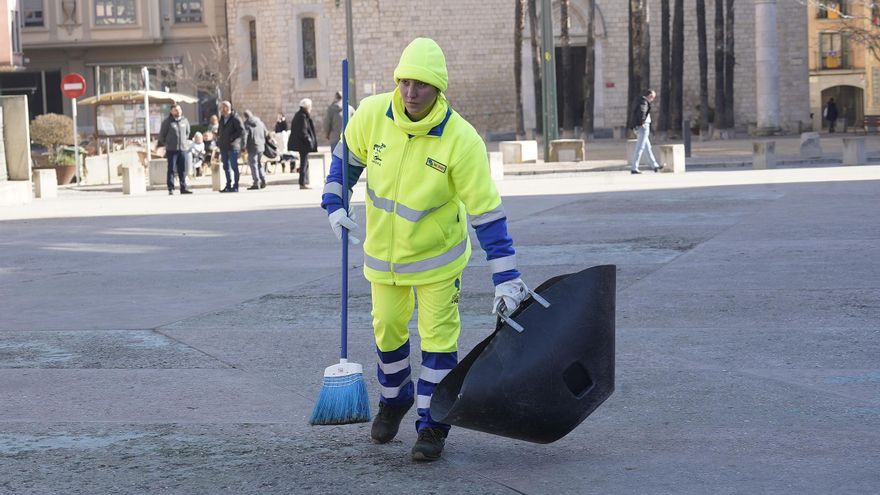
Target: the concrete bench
pixel 854 151
pixel 133 180
pixel 567 150
pixel 811 145
pixel 496 165
pixel 672 158
pixel 518 151
pixel 763 155
pixel 45 183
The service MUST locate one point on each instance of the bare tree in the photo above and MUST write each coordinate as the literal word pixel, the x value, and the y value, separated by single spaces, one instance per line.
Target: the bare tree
pixel 536 66
pixel 213 71
pixel 663 124
pixel 719 64
pixel 729 64
pixel 639 53
pixel 704 68
pixel 567 104
pixel 590 72
pixel 519 26
pixel 676 83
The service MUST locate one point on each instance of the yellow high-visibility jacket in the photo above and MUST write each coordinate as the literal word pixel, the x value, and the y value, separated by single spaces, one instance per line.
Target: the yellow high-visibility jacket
pixel 421 188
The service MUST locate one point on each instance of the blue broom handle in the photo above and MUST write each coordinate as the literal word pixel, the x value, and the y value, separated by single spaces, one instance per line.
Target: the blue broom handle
pixel 343 350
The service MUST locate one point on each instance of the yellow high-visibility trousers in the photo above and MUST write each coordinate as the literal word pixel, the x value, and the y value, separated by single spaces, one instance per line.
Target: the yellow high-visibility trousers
pixel 439 322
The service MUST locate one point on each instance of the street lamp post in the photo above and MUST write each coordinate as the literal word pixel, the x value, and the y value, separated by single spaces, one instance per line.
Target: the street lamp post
pixel 145 72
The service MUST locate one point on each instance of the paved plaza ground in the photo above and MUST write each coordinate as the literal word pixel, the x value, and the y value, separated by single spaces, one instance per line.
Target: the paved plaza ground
pixel 170 344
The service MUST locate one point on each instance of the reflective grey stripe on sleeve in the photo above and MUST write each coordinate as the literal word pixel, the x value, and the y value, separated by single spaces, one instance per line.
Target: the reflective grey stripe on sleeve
pixel 376 264
pixel 423 402
pixel 489 216
pixel 333 188
pixel 433 262
pixel 499 265
pixel 352 158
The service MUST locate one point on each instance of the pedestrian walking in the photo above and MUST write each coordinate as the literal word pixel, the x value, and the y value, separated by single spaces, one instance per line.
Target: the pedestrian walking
pixel 302 139
pixel 173 134
pixel 255 143
pixel 641 118
pixel 428 172
pixel 830 114
pixel 230 141
pixel 333 120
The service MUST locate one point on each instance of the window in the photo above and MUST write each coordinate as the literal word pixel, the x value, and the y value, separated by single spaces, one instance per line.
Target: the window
pixel 309 48
pixel 187 11
pixel 33 13
pixel 832 51
pixel 112 78
pixel 112 12
pixel 875 14
pixel 833 9
pixel 15 29
pixel 255 73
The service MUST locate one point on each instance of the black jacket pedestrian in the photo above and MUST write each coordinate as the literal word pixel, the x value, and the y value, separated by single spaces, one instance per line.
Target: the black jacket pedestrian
pixel 641 110
pixel 831 111
pixel 280 125
pixel 231 133
pixel 302 133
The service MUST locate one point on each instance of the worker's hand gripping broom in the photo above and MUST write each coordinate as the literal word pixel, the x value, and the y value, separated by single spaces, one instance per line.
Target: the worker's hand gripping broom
pixel 343 397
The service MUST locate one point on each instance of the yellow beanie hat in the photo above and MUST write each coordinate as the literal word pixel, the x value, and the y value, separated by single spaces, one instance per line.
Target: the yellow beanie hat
pixel 423 60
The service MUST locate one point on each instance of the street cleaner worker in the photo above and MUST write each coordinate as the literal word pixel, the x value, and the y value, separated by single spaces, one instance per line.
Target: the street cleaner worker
pixel 428 175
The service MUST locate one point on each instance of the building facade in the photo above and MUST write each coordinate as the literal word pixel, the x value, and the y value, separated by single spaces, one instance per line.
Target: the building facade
pixel 841 65
pixel 285 50
pixel 109 41
pixel 11 57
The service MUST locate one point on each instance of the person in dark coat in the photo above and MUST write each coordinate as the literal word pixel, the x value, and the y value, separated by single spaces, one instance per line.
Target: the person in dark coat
pixel 230 141
pixel 281 123
pixel 173 135
pixel 830 114
pixel 302 139
pixel 641 119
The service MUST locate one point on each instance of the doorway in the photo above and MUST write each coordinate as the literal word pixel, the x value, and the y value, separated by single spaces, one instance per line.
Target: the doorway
pixel 850 105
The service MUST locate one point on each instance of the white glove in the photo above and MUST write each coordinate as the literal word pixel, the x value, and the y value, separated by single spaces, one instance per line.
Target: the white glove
pixel 338 221
pixel 509 295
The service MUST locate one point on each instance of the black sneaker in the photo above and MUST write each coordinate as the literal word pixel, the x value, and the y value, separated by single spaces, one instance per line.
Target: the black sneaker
pixel 262 184
pixel 171 192
pixel 430 444
pixel 185 191
pixel 254 187
pixel 226 189
pixel 387 422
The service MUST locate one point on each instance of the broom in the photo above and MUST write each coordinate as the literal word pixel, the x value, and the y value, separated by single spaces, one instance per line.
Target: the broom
pixel 343 398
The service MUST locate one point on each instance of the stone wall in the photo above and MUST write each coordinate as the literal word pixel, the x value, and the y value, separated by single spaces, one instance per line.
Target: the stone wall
pixel 477 38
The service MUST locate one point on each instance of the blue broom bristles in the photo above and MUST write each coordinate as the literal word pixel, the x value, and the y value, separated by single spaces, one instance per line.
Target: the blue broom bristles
pixel 343 400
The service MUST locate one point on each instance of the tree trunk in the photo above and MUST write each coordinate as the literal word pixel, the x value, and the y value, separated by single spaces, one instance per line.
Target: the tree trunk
pixel 676 83
pixel 704 68
pixel 536 66
pixel 663 124
pixel 590 73
pixel 729 63
pixel 519 25
pixel 639 53
pixel 567 103
pixel 718 118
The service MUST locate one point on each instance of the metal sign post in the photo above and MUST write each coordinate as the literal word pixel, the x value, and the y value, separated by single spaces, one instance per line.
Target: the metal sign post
pixel 146 73
pixel 548 62
pixel 73 86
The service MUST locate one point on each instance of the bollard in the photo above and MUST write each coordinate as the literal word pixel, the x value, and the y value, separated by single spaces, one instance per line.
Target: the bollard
pixel 686 132
pixel 672 157
pixel 763 155
pixel 496 165
pixel 133 181
pixel 45 183
pixel 854 151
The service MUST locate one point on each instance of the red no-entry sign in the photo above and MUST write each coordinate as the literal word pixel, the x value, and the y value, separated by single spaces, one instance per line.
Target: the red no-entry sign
pixel 73 85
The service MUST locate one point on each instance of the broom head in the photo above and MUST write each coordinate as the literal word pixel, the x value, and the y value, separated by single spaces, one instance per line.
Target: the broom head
pixel 343 399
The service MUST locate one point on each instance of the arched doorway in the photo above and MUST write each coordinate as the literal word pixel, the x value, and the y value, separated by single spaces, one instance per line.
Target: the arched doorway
pixel 850 102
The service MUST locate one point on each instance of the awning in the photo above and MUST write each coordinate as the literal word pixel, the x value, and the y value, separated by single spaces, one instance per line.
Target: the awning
pixel 137 97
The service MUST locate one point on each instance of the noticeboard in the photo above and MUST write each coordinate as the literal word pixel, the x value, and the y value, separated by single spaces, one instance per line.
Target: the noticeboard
pixel 127 119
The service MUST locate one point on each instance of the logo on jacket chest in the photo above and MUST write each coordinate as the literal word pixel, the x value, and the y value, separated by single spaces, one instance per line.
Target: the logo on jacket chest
pixel 436 165
pixel 376 156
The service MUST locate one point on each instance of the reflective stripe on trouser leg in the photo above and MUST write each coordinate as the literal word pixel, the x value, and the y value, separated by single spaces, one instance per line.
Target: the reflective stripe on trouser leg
pixel 393 371
pixel 435 366
pixel 439 327
pixel 392 309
